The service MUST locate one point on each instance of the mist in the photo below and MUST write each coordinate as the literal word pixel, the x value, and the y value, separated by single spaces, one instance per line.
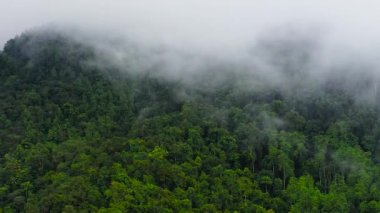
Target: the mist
pixel 197 24
pixel 285 45
pixel 200 106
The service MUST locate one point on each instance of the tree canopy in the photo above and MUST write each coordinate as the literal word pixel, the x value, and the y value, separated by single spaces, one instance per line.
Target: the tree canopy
pixel 79 138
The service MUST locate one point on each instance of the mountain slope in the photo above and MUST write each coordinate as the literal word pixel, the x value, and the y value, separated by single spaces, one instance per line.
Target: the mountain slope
pixel 77 137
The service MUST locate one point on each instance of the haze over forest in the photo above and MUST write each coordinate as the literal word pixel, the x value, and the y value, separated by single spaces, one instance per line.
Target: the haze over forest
pixel 333 34
pixel 189 106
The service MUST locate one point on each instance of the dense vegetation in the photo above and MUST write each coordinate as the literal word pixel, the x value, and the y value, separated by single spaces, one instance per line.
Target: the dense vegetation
pixel 77 138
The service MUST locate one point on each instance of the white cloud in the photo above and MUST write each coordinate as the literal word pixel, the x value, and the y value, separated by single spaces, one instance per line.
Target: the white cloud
pixel 216 24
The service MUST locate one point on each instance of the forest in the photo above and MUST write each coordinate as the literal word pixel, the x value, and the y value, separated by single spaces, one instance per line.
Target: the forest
pixel 76 137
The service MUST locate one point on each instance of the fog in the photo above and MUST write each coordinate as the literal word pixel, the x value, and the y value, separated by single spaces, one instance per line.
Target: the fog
pixel 279 43
pixel 215 24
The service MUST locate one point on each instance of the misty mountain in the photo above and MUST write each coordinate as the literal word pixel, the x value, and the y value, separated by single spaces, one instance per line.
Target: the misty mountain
pixel 82 130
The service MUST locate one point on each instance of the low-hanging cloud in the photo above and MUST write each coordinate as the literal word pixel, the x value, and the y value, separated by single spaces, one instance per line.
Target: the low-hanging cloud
pixel 205 25
pixel 286 44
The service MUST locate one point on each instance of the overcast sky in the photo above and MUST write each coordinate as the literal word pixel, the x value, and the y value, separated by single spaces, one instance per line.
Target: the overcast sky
pixel 210 23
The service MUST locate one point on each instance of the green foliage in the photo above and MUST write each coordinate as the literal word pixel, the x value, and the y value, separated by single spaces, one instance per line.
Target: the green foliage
pixel 78 138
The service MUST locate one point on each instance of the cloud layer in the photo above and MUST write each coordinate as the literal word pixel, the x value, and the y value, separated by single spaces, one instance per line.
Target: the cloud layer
pixel 214 24
pixel 284 43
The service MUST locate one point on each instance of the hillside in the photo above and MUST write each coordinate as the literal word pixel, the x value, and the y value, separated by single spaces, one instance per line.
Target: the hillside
pixel 75 137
